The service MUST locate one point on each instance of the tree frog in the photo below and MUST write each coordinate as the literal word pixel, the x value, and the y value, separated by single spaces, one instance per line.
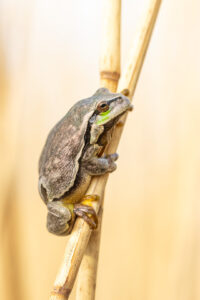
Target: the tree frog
pixel 73 153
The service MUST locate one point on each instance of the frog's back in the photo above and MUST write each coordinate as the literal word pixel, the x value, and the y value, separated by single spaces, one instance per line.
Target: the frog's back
pixel 59 161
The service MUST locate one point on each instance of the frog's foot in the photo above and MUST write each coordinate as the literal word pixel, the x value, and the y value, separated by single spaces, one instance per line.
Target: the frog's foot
pixel 101 165
pixel 86 211
pixel 60 219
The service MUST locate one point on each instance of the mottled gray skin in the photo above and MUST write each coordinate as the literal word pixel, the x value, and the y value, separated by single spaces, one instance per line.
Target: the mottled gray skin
pixel 71 156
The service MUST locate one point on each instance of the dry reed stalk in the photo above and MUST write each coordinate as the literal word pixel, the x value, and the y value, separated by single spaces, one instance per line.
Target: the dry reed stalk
pixel 110 52
pixel 80 235
pixel 86 281
pixel 109 77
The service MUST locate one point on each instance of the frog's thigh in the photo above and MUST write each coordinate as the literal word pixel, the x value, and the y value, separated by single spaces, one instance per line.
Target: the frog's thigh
pixel 58 218
pixel 101 165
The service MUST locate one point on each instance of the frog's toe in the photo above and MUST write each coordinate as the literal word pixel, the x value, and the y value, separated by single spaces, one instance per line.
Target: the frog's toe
pixel 113 156
pixel 87 213
pixel 112 167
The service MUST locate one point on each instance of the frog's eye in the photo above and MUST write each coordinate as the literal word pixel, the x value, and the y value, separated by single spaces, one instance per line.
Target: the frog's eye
pixel 103 106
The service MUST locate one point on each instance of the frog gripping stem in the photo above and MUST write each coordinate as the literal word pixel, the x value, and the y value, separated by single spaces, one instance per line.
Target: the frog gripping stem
pixel 85 210
pixel 87 213
pixel 81 234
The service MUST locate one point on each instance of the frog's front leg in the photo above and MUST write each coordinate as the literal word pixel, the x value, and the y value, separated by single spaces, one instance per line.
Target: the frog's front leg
pixel 60 218
pixel 101 165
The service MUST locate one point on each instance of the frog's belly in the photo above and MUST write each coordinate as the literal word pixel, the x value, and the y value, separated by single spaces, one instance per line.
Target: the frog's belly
pixel 76 195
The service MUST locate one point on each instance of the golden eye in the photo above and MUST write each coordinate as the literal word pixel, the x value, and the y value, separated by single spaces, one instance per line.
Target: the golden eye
pixel 103 106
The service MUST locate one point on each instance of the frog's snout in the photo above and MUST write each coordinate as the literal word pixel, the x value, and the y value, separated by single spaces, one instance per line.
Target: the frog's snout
pixel 127 102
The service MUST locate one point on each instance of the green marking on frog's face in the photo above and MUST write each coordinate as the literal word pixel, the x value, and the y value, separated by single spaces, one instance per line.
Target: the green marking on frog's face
pixel 103 117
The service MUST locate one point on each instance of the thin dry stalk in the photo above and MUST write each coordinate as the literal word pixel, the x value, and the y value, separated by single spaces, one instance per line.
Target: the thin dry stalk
pixel 132 70
pixel 80 235
pixel 109 76
pixel 110 52
pixel 88 269
pixel 86 282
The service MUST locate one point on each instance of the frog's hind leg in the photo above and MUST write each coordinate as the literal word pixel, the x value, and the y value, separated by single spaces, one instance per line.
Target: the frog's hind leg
pixel 85 210
pixel 60 218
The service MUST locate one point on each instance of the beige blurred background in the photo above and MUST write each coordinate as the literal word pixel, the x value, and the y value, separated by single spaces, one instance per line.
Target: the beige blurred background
pixel 49 54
